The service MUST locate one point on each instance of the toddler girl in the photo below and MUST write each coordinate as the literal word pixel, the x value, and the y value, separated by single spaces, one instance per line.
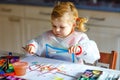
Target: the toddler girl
pixel 67 33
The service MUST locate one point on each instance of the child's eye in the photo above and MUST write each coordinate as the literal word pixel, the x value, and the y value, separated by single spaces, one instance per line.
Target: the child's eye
pixel 53 26
pixel 62 27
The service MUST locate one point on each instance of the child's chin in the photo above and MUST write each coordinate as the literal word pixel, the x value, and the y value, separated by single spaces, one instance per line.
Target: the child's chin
pixel 59 36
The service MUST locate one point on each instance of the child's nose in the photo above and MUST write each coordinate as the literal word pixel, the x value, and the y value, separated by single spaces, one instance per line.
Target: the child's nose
pixel 57 29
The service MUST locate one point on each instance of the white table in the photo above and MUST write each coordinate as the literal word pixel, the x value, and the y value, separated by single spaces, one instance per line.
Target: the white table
pixel 70 69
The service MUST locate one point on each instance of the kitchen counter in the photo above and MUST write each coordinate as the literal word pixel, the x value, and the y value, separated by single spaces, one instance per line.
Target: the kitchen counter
pixel 101 6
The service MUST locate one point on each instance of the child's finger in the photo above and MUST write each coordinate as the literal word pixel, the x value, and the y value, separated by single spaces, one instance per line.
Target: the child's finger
pixel 71 49
pixel 29 50
pixel 74 49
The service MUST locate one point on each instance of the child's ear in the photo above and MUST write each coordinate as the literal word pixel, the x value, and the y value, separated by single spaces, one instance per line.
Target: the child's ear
pixel 74 24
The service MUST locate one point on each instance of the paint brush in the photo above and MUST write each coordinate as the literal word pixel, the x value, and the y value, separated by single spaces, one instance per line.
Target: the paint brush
pixel 68 75
pixel 31 53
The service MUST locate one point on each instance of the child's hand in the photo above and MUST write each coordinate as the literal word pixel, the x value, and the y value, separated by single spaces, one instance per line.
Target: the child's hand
pixel 75 49
pixel 30 49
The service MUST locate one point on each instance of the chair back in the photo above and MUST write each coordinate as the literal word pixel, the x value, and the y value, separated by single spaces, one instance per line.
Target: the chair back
pixel 109 58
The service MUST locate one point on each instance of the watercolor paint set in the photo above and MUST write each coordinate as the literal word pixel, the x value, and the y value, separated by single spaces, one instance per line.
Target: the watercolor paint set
pixel 90 75
pixel 6 62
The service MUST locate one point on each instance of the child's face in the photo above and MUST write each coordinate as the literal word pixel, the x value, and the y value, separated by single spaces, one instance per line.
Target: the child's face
pixel 63 26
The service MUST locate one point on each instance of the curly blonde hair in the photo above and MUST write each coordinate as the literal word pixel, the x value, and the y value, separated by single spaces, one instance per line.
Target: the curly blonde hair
pixel 68 7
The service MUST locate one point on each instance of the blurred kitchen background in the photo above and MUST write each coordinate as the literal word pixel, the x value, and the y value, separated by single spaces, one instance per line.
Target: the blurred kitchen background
pixel 87 4
pixel 22 20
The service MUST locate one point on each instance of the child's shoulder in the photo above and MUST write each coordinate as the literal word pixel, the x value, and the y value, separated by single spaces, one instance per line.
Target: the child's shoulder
pixel 47 32
pixel 79 33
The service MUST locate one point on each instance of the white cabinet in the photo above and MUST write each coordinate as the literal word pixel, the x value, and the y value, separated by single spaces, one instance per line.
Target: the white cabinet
pixel 104 19
pixel 106 38
pixel 11 25
pixel 19 23
pixel 37 21
pixel 35 27
pixel 104 29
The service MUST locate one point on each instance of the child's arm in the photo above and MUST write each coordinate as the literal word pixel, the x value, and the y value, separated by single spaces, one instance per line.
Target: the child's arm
pixel 85 49
pixel 90 51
